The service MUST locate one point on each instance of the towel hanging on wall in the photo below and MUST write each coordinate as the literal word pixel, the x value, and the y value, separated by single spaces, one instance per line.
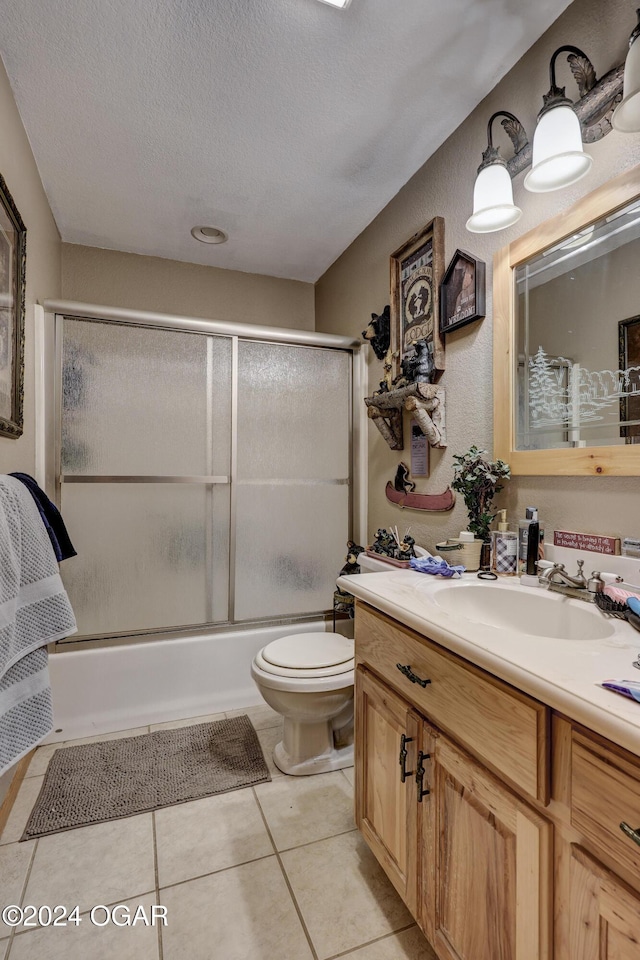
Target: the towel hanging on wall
pixel 60 541
pixel 34 611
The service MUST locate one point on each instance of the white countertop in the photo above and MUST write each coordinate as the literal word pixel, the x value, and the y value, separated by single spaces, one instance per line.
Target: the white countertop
pixel 565 674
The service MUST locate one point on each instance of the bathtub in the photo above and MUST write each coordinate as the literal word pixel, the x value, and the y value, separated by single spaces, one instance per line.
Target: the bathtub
pixel 131 685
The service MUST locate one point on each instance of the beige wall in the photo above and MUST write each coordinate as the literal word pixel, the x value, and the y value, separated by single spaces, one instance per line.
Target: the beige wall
pixel 358 283
pixel 115 279
pixel 19 170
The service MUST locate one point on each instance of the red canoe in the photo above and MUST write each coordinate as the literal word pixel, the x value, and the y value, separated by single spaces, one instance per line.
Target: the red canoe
pixel 435 502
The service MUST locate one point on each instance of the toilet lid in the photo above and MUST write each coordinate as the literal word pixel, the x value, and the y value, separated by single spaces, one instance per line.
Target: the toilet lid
pixel 309 651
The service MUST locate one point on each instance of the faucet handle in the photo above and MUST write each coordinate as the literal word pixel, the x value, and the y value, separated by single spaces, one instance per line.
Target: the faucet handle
pixel 595 583
pixel 580 566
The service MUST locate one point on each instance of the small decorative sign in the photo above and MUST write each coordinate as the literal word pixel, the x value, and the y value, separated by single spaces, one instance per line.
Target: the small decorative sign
pixel 462 294
pixel 419 451
pixel 587 541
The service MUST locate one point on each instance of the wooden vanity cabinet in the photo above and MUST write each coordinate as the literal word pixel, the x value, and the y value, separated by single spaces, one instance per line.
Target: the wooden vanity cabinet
pixel 386 806
pixel 490 897
pixel 455 842
pixel 604 913
pixel 485 860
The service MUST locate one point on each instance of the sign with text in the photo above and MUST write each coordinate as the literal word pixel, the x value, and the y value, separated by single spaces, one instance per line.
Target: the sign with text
pixel 587 541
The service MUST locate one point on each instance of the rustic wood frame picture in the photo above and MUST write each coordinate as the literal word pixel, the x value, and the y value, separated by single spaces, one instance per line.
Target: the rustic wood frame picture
pixel 13 238
pixel 629 357
pixel 462 293
pixel 416 274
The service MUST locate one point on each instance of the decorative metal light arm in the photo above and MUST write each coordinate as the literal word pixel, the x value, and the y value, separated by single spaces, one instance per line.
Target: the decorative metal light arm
pixel 515 131
pixel 582 70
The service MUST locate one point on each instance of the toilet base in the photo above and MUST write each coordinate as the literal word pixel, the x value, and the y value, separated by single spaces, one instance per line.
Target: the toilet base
pixel 336 759
pixel 308 748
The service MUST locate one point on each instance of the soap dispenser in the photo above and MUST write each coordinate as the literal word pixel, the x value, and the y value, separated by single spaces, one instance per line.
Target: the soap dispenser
pixel 504 548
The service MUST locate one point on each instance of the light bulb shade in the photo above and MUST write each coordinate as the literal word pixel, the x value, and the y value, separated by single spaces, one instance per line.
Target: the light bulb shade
pixel 626 116
pixel 558 157
pixel 493 206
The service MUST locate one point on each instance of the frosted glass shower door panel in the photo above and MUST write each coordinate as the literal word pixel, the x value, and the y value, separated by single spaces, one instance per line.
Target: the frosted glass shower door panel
pixel 290 545
pixel 146 402
pixel 293 411
pixel 149 556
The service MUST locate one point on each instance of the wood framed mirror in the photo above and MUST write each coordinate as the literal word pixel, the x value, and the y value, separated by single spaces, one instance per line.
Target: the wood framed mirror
pixel 566 349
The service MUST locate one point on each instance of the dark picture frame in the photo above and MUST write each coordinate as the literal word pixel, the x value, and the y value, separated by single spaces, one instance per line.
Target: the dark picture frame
pixel 629 361
pixel 13 246
pixel 462 294
pixel 416 275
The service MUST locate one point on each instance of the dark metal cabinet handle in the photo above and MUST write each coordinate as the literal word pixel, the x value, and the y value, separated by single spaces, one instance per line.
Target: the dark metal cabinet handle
pixel 420 775
pixel 402 760
pixel 630 832
pixel 410 675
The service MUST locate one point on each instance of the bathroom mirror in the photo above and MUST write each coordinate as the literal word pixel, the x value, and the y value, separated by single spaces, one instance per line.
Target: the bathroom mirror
pixel 567 339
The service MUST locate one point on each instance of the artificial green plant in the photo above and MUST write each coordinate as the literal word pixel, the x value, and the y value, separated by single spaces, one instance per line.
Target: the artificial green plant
pixel 478 480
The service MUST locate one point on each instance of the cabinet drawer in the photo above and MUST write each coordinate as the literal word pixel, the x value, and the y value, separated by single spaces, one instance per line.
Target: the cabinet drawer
pixel 500 725
pixel 605 792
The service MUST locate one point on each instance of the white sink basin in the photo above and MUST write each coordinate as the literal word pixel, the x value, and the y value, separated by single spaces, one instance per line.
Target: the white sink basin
pixel 524 610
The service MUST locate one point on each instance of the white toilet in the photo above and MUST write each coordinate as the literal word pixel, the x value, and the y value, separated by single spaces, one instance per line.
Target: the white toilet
pixel 308 678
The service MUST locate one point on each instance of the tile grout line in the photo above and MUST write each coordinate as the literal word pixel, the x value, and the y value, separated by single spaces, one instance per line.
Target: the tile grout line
pixel 314 953
pixel 308 843
pixel 368 943
pixel 213 873
pixel 157 878
pixel 22 895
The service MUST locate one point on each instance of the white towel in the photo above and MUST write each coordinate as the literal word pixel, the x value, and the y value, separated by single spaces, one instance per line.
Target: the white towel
pixel 34 611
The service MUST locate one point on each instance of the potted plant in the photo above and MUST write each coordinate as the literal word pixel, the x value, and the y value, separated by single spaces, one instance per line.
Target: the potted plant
pixel 478 480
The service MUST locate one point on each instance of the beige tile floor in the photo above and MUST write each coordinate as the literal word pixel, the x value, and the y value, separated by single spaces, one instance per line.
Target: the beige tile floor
pixel 274 872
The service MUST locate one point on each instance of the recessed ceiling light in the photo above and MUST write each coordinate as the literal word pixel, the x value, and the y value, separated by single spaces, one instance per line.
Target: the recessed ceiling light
pixel 337 3
pixel 209 235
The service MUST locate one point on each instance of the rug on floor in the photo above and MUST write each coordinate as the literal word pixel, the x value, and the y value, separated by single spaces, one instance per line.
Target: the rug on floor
pixel 95 782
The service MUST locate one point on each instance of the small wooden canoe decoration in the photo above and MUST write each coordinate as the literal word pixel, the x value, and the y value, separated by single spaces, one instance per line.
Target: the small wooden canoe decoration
pixel 436 502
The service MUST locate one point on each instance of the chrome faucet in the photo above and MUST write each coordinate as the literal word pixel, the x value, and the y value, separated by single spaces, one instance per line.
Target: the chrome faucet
pixel 556 578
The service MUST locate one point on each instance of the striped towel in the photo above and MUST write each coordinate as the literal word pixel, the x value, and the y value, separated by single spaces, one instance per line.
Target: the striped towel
pixel 34 611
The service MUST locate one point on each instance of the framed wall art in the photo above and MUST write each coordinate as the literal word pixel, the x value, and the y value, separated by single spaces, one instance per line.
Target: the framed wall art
pixel 462 294
pixel 416 274
pixel 629 364
pixel 13 235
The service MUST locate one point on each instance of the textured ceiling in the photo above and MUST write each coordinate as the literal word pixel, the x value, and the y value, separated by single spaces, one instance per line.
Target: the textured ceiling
pixel 287 123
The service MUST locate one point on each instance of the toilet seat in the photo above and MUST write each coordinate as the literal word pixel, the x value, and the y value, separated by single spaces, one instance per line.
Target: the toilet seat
pixel 307 655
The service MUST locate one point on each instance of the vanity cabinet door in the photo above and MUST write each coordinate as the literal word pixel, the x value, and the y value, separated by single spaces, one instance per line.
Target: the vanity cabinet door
pixel 386 804
pixel 488 856
pixel 604 913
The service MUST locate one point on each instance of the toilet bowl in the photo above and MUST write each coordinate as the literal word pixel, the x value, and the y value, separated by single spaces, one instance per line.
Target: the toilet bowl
pixel 308 679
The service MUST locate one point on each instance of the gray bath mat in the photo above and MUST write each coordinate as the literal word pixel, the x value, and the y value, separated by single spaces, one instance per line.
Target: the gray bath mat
pixel 95 782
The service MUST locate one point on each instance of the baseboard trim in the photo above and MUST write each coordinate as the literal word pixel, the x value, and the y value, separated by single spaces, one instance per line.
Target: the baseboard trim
pixel 7 804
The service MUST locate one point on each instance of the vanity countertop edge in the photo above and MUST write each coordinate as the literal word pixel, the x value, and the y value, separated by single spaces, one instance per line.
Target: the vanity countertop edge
pixel 564 674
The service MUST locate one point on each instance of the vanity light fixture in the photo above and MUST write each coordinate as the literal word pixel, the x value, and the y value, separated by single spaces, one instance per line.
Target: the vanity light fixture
pixel 337 3
pixel 626 116
pixel 493 206
pixel 558 157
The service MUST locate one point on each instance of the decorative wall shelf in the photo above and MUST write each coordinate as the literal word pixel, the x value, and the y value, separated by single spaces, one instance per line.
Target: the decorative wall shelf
pixel 425 403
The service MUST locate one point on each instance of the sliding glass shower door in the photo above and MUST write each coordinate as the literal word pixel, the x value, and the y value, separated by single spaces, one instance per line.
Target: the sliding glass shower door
pixel 292 478
pixel 204 479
